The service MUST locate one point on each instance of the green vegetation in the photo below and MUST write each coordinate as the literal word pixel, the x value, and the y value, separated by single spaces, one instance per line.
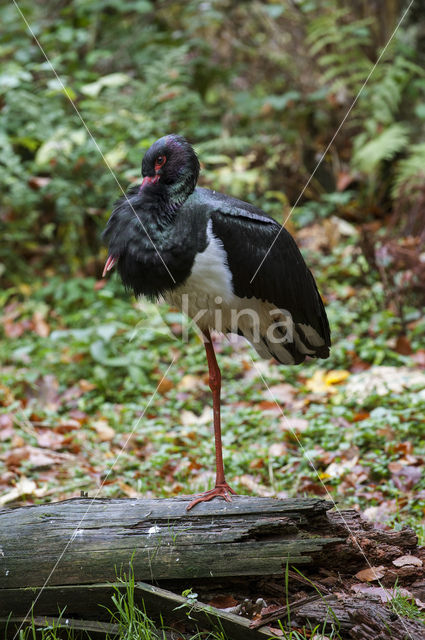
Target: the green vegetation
pixel 405 605
pixel 259 87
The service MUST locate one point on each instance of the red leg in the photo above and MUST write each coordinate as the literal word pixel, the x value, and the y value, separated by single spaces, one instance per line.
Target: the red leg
pixel 221 489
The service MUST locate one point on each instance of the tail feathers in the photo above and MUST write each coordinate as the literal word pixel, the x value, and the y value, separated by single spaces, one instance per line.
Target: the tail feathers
pixel 305 341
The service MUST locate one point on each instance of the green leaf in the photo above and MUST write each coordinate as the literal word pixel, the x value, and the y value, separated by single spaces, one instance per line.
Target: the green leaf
pixel 383 147
pixel 112 80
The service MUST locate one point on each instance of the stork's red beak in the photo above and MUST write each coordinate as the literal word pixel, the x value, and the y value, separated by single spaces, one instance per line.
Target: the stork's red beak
pixel 108 265
pixel 149 180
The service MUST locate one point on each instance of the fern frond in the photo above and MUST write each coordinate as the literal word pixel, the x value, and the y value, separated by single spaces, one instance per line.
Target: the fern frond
pixel 383 147
pixel 410 173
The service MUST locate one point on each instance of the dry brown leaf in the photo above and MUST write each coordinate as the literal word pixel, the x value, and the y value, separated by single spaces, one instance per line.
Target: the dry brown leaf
pixel 188 418
pixel 165 385
pixel 128 490
pixel 276 632
pixel 189 382
pixel 223 601
pixel 6 426
pixel 85 385
pixel 278 449
pixel 104 431
pixel 6 396
pixel 387 594
pixel 299 425
pixel 404 561
pixel 40 325
pixel 49 439
pixel 283 393
pixel 344 179
pixel 360 415
pixel 419 357
pixel 255 487
pixel 25 487
pixel 37 182
pixel 403 346
pixel 269 405
pixel 371 574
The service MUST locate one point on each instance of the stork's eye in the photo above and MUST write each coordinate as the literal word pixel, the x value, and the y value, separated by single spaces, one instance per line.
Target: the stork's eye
pixel 159 162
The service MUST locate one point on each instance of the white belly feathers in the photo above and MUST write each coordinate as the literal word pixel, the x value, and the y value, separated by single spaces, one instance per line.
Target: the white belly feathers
pixel 209 286
pixel 208 297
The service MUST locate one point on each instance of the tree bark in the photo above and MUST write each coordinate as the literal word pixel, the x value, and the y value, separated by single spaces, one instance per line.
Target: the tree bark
pixel 68 555
pixel 91 541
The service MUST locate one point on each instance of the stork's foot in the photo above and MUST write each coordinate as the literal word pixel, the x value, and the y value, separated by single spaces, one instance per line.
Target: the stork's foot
pixel 221 490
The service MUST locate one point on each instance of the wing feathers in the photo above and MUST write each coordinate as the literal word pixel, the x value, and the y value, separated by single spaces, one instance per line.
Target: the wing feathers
pixel 283 280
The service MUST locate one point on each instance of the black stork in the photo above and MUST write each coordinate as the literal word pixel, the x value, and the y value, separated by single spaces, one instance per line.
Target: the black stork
pixel 228 265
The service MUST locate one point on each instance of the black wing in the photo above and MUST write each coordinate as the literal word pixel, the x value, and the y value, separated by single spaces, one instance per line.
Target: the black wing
pixel 283 278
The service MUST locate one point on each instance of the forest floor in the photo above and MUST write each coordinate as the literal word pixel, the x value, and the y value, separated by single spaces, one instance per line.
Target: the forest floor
pixel 99 393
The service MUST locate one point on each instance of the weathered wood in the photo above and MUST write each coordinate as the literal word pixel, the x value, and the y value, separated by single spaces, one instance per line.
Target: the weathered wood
pixel 79 541
pixel 94 540
pixel 93 601
pixel 11 626
pixel 362 617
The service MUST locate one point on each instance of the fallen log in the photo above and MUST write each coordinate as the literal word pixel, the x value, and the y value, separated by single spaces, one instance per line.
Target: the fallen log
pixel 69 554
pixel 94 601
pixel 94 540
pixel 361 618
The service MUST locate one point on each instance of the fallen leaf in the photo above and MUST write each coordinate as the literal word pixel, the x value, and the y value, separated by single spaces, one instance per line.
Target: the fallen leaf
pixel 128 490
pixel 188 383
pixel 308 485
pixel 165 385
pixel 250 483
pixel 37 182
pixel 104 431
pixel 344 179
pixel 49 439
pixel 387 594
pixel 223 601
pixel 299 425
pixel 188 418
pixel 408 560
pixel 317 382
pixel 6 396
pixel 6 426
pixel 371 574
pixel 16 456
pixel 86 385
pixel 257 463
pixel 336 376
pixel 419 357
pixel 360 415
pixel 324 381
pixel 276 632
pixel 278 449
pixel 40 325
pixel 403 346
pixel 406 477
pixel 24 487
pixel 283 393
pixel 269 405
pixel 338 469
